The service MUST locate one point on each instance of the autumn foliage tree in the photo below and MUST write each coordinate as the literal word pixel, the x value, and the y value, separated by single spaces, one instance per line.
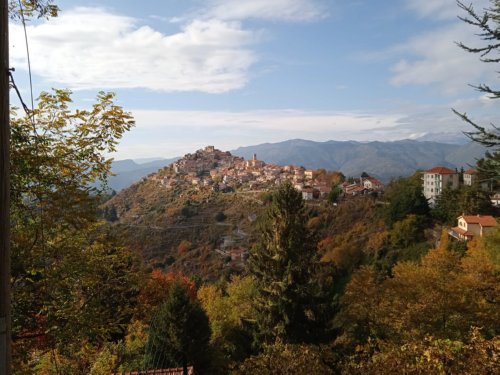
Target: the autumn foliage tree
pixel 443 296
pixel 156 289
pixel 73 281
pixel 232 314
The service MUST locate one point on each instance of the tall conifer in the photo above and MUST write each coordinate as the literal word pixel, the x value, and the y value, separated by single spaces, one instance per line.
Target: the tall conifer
pixel 292 302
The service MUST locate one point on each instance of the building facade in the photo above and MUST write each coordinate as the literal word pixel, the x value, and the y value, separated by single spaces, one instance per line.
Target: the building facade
pixel 470 226
pixel 436 180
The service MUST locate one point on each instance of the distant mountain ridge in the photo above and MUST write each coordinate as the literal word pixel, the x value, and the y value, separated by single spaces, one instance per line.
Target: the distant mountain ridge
pixel 383 160
pixel 129 171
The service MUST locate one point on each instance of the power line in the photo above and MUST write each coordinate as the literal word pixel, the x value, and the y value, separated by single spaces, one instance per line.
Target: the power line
pixel 27 53
pixel 19 96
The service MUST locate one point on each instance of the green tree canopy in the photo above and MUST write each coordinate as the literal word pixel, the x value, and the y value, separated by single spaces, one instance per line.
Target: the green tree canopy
pixel 179 334
pixel 292 302
pixel 405 197
pixel 469 200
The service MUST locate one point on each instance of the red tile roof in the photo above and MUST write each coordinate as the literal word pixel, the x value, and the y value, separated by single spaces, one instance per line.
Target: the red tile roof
pixel 470 171
pixel 441 170
pixel 166 371
pixel 373 180
pixel 485 221
pixel 461 231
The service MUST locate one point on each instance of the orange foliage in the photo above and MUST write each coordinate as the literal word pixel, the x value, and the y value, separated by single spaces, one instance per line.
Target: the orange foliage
pixel 183 247
pixel 325 245
pixel 314 222
pixel 156 288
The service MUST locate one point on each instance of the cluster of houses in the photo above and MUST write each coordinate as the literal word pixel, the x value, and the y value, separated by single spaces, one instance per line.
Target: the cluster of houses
pixel 222 171
pixel 362 186
pixel 436 179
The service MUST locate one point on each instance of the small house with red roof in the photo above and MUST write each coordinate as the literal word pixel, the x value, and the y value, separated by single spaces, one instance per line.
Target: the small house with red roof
pixel 371 183
pixel 470 226
pixel 436 180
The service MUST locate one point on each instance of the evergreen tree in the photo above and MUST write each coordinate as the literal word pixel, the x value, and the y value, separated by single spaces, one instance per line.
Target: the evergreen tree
pixel 334 194
pixel 488 24
pixel 469 200
pixel 405 197
pixel 292 304
pixel 179 334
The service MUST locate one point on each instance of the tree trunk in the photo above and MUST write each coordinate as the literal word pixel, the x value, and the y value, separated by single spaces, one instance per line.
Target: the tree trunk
pixel 5 339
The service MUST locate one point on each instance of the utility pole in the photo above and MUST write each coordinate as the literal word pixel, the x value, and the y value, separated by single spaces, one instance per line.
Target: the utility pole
pixel 5 325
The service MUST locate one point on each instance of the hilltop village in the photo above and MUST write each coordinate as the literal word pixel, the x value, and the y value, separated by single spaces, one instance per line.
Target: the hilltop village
pixel 210 168
pixel 188 186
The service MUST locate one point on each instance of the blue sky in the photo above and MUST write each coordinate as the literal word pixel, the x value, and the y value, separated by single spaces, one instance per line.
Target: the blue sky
pixel 240 72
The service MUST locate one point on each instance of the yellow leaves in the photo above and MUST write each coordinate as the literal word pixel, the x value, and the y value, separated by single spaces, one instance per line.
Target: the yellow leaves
pixel 444 295
pixel 314 223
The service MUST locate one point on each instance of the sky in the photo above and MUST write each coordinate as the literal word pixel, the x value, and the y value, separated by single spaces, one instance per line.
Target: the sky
pixel 233 73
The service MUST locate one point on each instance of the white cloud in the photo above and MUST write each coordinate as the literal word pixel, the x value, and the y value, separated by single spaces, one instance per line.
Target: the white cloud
pixel 287 121
pixel 285 10
pixel 93 48
pixel 172 133
pixel 435 58
pixel 442 9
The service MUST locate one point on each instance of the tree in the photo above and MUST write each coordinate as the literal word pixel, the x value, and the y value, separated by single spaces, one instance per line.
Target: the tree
pixel 488 23
pixel 292 305
pixel 405 197
pixel 406 232
pixel 220 216
pixel 232 315
pixel 30 8
pixel 334 194
pixel 469 200
pixel 179 333
pixel 156 288
pixel 284 359
pixel 73 281
pixel 474 355
pixel 444 296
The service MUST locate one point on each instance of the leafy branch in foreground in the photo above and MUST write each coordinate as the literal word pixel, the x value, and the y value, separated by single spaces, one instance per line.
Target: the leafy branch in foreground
pixel 73 282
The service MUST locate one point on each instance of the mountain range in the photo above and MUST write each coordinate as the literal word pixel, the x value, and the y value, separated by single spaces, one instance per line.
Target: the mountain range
pixel 128 171
pixel 383 160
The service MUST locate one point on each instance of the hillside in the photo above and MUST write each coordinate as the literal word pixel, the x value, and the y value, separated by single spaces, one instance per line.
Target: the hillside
pixel 195 213
pixel 198 213
pixel 184 217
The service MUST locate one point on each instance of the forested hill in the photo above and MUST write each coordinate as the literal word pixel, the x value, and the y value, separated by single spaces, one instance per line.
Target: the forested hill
pixel 383 159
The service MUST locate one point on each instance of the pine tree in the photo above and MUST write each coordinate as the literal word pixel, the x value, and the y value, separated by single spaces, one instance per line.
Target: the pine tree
pixel 488 24
pixel 179 334
pixel 292 304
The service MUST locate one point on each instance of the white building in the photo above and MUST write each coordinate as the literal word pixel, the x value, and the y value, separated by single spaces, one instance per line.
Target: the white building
pixel 436 180
pixel 473 225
